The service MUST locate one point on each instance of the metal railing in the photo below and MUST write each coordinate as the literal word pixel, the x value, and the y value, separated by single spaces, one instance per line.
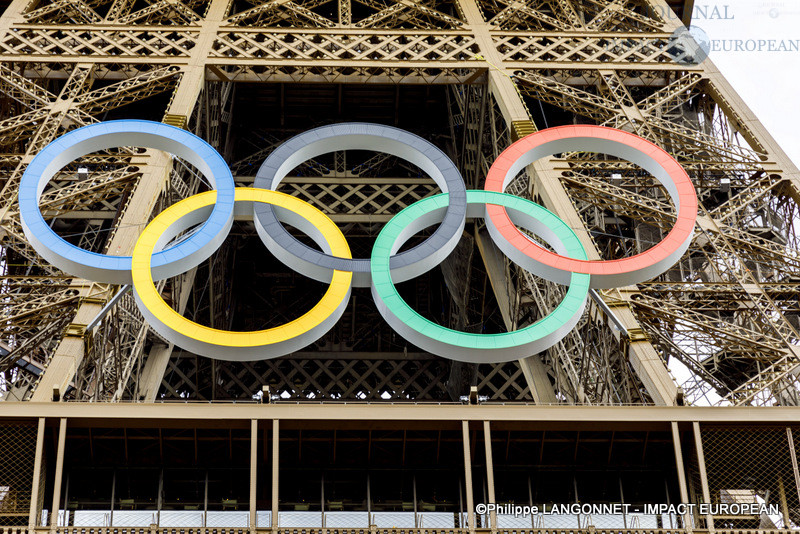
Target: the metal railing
pixel 306 521
pixel 376 530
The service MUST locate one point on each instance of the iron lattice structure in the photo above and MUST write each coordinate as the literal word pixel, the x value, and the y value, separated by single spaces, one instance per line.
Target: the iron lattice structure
pixel 489 71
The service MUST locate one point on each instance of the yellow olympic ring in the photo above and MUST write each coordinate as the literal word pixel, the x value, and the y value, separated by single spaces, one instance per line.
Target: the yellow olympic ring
pixel 229 345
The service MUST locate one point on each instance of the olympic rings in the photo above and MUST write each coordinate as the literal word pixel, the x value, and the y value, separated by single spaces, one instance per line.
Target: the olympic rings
pixel 362 136
pixel 614 273
pixel 154 258
pixel 477 348
pixel 240 346
pixel 117 269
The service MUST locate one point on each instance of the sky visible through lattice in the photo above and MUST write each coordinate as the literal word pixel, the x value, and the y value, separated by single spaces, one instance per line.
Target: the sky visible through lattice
pixel 756 46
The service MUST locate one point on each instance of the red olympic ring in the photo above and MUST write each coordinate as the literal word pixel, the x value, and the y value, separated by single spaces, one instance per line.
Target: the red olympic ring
pixel 588 138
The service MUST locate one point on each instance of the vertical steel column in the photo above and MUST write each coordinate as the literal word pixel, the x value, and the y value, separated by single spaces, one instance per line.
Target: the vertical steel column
pixel 414 496
pixel 114 496
pixel 62 438
pixel 676 443
pixel 275 471
pixel 793 454
pixel 322 498
pixel 253 471
pixel 530 501
pixel 468 476
pixel 701 466
pixel 345 12
pixel 487 440
pixel 160 498
pixel 784 502
pixel 37 472
pixel 66 500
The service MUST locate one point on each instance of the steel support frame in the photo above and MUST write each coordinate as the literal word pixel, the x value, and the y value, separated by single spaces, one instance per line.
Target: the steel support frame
pixel 468 476
pixel 37 475
pixel 683 487
pixel 276 443
pixel 62 440
pixel 643 355
pixel 70 352
pixel 217 52
pixel 480 417
pixel 701 467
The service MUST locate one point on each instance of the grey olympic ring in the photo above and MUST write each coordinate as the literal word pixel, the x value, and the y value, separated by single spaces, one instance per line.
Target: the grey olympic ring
pixel 360 136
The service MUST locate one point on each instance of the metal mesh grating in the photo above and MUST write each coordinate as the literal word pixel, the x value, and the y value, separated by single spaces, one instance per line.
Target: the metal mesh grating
pixel 794 503
pixel 42 487
pixel 749 465
pixel 17 451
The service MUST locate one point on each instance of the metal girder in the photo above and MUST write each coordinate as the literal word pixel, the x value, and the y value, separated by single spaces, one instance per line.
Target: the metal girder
pixel 729 228
pixel 76 11
pixel 603 50
pixel 25 351
pixel 606 60
pixel 74 197
pixel 620 111
pixel 332 47
pixel 20 126
pixel 401 12
pixel 567 11
pixel 162 12
pixel 279 12
pixel 311 378
pixel 127 91
pixel 23 90
pixel 573 366
pixel 661 118
pixel 672 95
pixel 116 414
pixel 590 190
pixel 516 12
pixel 374 198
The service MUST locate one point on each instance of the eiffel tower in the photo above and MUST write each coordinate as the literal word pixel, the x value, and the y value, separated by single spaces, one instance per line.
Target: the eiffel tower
pixel 105 424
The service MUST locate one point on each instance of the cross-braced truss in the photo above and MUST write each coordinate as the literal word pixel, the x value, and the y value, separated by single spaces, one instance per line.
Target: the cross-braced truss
pixel 727 311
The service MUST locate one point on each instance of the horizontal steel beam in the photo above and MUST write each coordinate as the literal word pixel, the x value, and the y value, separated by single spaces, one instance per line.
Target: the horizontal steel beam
pixel 402 411
pixel 318 64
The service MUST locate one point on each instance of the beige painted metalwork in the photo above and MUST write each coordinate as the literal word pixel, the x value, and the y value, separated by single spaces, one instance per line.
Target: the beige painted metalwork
pixel 727 311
